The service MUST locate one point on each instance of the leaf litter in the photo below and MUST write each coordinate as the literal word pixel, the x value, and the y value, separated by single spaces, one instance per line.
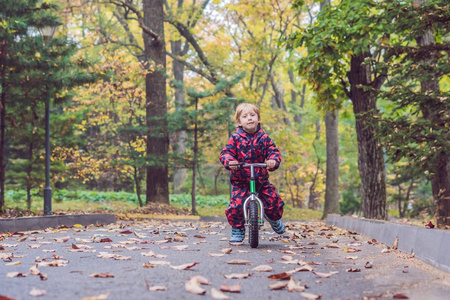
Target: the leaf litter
pixel 299 241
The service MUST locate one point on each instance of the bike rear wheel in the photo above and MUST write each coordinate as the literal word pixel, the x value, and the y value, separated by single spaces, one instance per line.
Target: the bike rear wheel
pixel 253 225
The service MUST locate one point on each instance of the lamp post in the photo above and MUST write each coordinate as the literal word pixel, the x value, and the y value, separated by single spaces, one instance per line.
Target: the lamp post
pixel 47 35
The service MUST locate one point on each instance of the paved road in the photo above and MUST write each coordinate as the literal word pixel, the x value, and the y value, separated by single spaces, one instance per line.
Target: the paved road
pixel 134 257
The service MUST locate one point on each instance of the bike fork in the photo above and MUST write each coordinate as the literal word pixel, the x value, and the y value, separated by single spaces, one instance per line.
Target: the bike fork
pixel 253 197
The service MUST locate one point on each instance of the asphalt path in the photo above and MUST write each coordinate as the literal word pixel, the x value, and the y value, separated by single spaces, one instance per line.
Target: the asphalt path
pixel 163 259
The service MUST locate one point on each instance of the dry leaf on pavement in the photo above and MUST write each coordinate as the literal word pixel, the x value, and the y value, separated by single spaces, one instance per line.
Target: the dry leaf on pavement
pixel 184 266
pixel 310 296
pixel 238 262
pixel 236 288
pixel 295 287
pixel 193 286
pixel 99 297
pixel 237 276
pixel 324 275
pixel 263 268
pixel 227 250
pixel 37 293
pixel 216 294
pixel 279 285
pixel 102 275
pixel 280 276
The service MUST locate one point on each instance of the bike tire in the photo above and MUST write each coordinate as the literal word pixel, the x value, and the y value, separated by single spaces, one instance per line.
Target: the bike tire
pixel 253 225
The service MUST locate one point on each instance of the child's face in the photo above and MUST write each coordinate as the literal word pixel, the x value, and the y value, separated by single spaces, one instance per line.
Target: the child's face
pixel 248 120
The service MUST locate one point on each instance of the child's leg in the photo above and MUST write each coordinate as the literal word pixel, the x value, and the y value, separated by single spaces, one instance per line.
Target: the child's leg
pixel 235 212
pixel 273 204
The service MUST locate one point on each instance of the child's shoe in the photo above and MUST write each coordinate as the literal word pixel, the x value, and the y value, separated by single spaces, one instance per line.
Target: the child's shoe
pixel 237 235
pixel 277 226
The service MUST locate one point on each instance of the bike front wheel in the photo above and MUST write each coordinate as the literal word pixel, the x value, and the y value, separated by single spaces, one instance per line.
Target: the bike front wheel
pixel 253 225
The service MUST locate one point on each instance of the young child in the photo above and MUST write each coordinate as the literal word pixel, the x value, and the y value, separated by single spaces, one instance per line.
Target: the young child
pixel 250 144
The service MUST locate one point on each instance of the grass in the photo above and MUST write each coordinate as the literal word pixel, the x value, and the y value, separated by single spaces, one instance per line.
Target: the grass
pixel 119 202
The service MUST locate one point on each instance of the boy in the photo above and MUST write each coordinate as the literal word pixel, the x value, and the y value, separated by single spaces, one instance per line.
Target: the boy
pixel 250 144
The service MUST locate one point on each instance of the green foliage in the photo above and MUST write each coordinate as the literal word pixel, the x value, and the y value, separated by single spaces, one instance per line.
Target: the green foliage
pixel 350 202
pixel 417 130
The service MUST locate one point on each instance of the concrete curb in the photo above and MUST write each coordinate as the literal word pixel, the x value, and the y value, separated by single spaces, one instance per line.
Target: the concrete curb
pixel 428 245
pixel 36 223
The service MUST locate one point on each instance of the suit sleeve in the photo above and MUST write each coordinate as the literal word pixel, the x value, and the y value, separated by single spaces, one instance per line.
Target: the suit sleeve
pixel 228 153
pixel 273 153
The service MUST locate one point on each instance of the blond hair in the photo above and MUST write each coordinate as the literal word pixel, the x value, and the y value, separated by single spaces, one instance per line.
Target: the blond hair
pixel 240 108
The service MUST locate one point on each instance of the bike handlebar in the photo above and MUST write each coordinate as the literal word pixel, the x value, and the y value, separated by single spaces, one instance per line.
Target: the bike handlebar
pixel 247 165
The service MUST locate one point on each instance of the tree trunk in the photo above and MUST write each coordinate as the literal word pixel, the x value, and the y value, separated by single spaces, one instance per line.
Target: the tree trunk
pixel 370 154
pixel 179 174
pixel 194 163
pixel 440 181
pixel 156 104
pixel 2 132
pixel 332 173
pixel 138 186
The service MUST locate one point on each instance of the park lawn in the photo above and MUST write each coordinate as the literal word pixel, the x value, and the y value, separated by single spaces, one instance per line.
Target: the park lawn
pixel 119 203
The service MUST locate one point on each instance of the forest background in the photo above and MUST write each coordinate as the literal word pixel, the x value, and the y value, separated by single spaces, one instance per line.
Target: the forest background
pixel 142 96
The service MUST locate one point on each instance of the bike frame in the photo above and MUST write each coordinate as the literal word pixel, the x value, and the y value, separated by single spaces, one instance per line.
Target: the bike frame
pixel 253 196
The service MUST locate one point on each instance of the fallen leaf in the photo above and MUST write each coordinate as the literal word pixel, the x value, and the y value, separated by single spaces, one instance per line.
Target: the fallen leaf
pixel 201 280
pixel 429 226
pixel 34 270
pixel 184 266
pixel 400 296
pixel 405 269
pixel 238 262
pixel 216 254
pixel 368 265
pixel 395 245
pixel 351 257
pixel 309 296
pixel 287 258
pixel 385 250
pixel 324 275
pixel 353 270
pixel 199 236
pixel 62 239
pixel 155 287
pixel 180 248
pixel 231 288
pixel 13 263
pixel 237 275
pixel 193 286
pixel 278 286
pixel 350 250
pixel 294 287
pixel 280 276
pixel 99 297
pixel 36 293
pixel 102 275
pixel 227 250
pixel 16 274
pixel 216 294
pixel 105 240
pixel 55 263
pixel 263 268
pixel 332 246
pixel 305 268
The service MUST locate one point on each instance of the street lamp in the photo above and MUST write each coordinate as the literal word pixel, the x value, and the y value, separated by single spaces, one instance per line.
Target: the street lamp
pixel 47 35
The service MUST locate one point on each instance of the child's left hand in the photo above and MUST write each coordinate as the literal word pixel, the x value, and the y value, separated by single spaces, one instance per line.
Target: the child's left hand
pixel 271 164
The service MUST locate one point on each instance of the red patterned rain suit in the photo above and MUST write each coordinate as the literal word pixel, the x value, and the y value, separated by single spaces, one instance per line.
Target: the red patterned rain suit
pixel 251 148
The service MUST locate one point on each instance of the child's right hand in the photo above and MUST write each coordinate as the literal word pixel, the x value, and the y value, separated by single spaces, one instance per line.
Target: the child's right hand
pixel 231 163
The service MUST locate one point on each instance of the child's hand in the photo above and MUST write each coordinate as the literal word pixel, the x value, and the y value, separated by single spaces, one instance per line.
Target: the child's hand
pixel 271 164
pixel 231 163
